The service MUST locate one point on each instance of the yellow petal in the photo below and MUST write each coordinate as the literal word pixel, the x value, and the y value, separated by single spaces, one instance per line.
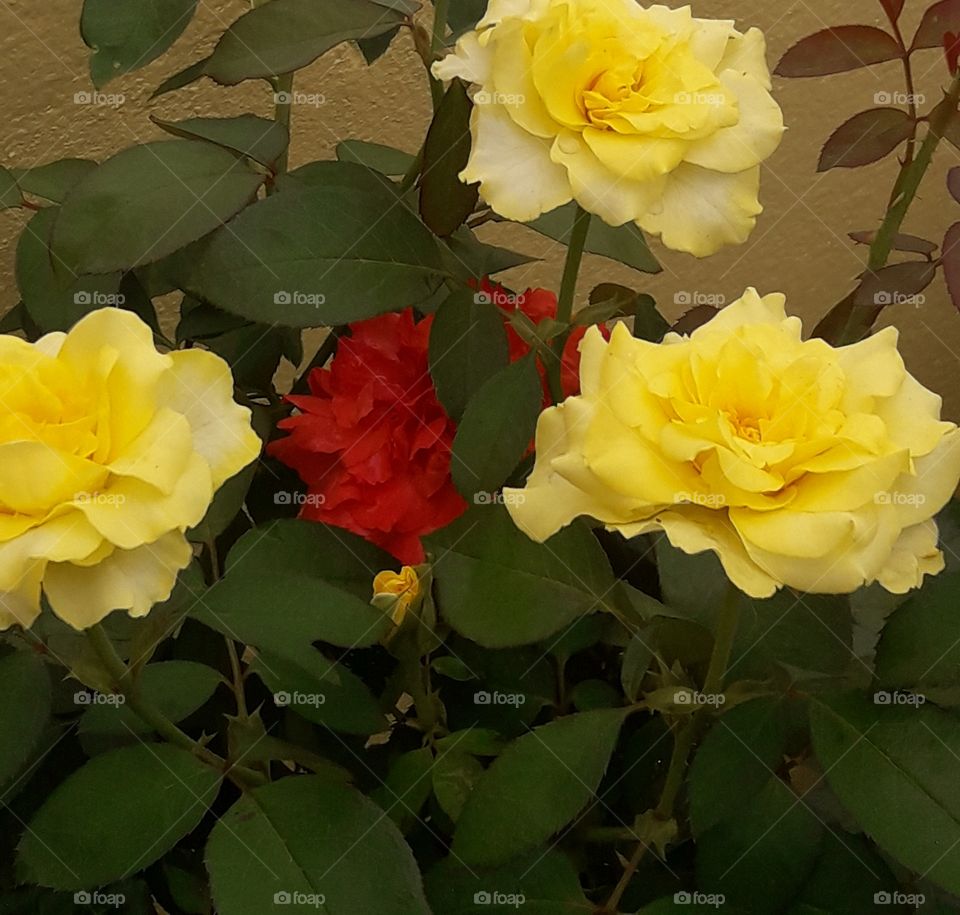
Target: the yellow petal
pixel 35 478
pixel 914 555
pixel 131 580
pixel 160 453
pixel 200 386
pixel 20 602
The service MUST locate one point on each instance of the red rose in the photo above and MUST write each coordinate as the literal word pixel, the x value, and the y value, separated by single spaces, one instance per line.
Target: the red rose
pixel 538 304
pixel 372 442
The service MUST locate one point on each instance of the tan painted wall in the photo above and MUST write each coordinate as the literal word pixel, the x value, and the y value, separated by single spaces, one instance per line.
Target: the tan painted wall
pixel 799 247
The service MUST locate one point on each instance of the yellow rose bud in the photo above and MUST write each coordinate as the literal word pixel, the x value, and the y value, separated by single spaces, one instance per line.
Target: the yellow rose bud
pixel 396 593
pixel 109 452
pixel 797 463
pixel 644 115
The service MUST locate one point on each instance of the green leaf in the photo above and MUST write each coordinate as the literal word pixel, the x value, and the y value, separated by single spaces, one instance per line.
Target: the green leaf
pixel 54 299
pixel 464 15
pixel 894 769
pixel 285 35
pixel 545 880
pixel 496 429
pixel 625 243
pixel 741 753
pixel 310 838
pixel 920 644
pixel 454 668
pixel 383 159
pixel 329 254
pixel 636 662
pixel 499 588
pixel 177 688
pixel 10 195
pixel 148 201
pixel 328 584
pixel 455 775
pixel 469 259
pixel 321 691
pixel 538 785
pixel 25 701
pixel 478 741
pixel 115 816
pixel 128 36
pixel 406 788
pixel 247 135
pixel 182 78
pixel 759 857
pixel 54 180
pixel 445 201
pixel 468 346
pixel 226 505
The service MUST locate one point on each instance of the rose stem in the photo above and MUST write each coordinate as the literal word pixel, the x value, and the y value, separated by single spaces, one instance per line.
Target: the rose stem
pixel 686 737
pixel 568 287
pixel 124 684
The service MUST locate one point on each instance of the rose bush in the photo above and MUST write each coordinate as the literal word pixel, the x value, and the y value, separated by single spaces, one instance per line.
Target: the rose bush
pixel 797 463
pixel 640 114
pixel 110 452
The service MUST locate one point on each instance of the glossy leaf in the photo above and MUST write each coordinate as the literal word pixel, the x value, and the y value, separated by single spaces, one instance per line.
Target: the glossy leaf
pixel 837 49
pixel 147 202
pixel 116 815
pixel 54 180
pixel 127 36
pixel 468 346
pixel 625 244
pixel 445 201
pixel 499 588
pixel 893 8
pixel 25 705
pixel 951 262
pixel 909 243
pixel 328 254
pixel 285 35
pixel 55 300
pixel 311 844
pixel 893 767
pixel 867 137
pixel 380 158
pixel 496 429
pixel 258 138
pixel 536 787
pixel 329 583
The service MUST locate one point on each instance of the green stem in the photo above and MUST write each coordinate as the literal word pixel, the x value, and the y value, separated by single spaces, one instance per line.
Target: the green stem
pixel 441 9
pixel 912 178
pixel 568 288
pixel 686 738
pixel 282 114
pixel 123 682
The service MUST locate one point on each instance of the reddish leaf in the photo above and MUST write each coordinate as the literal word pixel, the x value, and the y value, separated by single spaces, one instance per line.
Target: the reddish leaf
pixel 844 47
pixel 953 183
pixel 951 44
pixel 941 18
pixel 867 137
pixel 951 262
pixel 909 243
pixel 893 8
pixel 896 285
pixel 696 317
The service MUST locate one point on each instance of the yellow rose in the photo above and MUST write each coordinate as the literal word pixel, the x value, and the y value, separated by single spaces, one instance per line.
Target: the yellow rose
pixel 396 592
pixel 109 451
pixel 640 115
pixel 797 463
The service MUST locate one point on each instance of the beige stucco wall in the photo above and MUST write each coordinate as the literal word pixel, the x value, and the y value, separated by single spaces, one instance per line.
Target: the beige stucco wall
pixel 800 245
